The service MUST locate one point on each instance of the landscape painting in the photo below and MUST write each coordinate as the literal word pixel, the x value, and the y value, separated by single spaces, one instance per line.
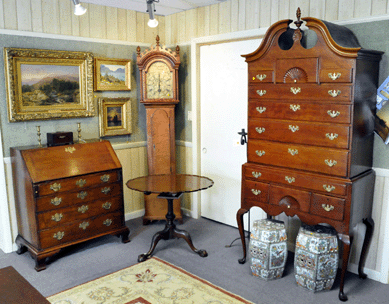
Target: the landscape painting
pixel 114 116
pixel 112 74
pixel 44 85
pixel 48 84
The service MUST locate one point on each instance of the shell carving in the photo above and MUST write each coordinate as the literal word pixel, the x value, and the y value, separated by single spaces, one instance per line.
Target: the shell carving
pixel 294 75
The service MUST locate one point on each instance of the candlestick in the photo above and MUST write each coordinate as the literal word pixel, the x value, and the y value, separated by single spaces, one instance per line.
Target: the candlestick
pixel 38 129
pixel 79 131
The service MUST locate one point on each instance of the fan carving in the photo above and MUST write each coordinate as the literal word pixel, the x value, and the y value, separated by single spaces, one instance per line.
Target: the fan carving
pixel 295 74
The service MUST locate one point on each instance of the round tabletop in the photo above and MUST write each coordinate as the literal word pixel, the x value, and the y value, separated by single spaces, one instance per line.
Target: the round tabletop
pixel 174 183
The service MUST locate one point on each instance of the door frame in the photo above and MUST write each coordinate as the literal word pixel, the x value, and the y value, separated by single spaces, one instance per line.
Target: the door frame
pixel 196 43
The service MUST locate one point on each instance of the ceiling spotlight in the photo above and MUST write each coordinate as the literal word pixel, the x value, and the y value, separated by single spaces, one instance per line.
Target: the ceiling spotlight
pixel 151 9
pixel 78 8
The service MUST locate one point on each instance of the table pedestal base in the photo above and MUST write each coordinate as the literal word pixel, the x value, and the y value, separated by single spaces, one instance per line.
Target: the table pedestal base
pixel 170 231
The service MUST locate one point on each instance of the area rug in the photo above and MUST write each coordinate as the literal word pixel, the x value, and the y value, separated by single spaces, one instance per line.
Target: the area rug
pixel 152 282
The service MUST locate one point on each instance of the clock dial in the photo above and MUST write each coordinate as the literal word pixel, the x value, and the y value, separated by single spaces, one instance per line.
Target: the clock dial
pixel 159 81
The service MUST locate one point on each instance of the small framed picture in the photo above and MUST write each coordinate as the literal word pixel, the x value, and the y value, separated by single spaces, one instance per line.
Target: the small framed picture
pixel 112 74
pixel 114 116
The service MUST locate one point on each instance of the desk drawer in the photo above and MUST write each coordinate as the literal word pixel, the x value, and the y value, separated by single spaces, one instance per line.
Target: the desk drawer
pixel 320 112
pixel 81 229
pixel 65 199
pixel 315 159
pixel 300 91
pixel 327 135
pixel 67 215
pixel 312 182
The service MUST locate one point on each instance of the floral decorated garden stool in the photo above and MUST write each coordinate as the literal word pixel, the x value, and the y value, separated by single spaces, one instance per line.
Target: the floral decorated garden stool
pixel 316 257
pixel 268 249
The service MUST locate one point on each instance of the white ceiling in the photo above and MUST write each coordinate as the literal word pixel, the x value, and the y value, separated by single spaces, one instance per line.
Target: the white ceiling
pixel 163 7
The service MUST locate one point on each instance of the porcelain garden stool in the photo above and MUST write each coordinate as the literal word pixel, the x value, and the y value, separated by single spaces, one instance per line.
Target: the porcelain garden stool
pixel 268 249
pixel 316 257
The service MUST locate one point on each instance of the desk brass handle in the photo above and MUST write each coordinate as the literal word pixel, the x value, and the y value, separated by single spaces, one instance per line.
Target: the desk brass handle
pixel 331 136
pixel 334 76
pixel 57 217
pixel 330 163
pixel 295 90
pixel 106 190
pixel 333 114
pixel 261 77
pixel 59 235
pixel 294 128
pixel 260 130
pixel 107 222
pixel 256 174
pixel 327 207
pixel 82 194
pixel 84 225
pixel 293 152
pixel 83 208
pixel 260 109
pixel 294 108
pixel 260 153
pixel 334 93
pixel 56 201
pixel 261 92
pixel 290 179
pixel 55 187
pixel 329 188
pixel 81 182
pixel 255 191
pixel 105 178
pixel 107 205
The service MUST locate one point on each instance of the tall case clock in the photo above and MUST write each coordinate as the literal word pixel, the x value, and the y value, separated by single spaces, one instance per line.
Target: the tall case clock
pixel 158 67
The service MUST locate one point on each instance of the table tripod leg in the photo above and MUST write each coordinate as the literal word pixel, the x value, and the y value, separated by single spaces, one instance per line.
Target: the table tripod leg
pixel 185 235
pixel 156 238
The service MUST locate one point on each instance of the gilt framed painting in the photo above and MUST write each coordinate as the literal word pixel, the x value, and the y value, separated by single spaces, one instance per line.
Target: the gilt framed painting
pixel 114 116
pixel 112 74
pixel 48 84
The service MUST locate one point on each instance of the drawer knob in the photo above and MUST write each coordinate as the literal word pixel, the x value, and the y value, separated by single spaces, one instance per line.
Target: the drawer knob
pixel 55 187
pixel 256 174
pixel 329 188
pixel 293 152
pixel 59 235
pixel 260 130
pixel 260 109
pixel 333 114
pixel 290 179
pixel 260 153
pixel 334 76
pixel 261 77
pixel 84 225
pixel 331 136
pixel 82 194
pixel 293 128
pixel 327 207
pixel 83 208
pixel 295 90
pixel 105 178
pixel 107 205
pixel 334 93
pixel 106 190
pixel 330 163
pixel 81 182
pixel 255 191
pixel 57 217
pixel 294 108
pixel 56 201
pixel 261 92
pixel 107 222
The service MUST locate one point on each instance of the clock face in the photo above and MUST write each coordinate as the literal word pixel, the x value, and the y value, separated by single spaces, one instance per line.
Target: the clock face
pixel 159 81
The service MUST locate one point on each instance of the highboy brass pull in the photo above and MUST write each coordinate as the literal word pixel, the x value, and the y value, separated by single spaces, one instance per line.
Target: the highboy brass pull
pixel 294 108
pixel 81 182
pixel 106 190
pixel 334 76
pixel 293 152
pixel 256 174
pixel 334 93
pixel 293 128
pixel 331 136
pixel 327 207
pixel 333 114
pixel 329 188
pixel 261 92
pixel 290 179
pixel 57 217
pixel 82 194
pixel 83 209
pixel 59 235
pixel 261 77
pixel 260 130
pixel 107 205
pixel 105 178
pixel 255 191
pixel 260 109
pixel 55 187
pixel 295 90
pixel 330 162
pixel 260 153
pixel 56 201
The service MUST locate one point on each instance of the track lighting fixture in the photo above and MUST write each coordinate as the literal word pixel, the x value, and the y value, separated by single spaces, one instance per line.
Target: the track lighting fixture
pixel 151 9
pixel 78 8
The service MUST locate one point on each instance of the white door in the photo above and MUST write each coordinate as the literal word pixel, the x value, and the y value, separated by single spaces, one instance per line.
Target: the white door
pixel 223 107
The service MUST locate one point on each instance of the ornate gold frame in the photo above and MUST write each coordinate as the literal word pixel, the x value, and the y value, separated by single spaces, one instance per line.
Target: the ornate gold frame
pixel 15 57
pixel 126 121
pixel 98 83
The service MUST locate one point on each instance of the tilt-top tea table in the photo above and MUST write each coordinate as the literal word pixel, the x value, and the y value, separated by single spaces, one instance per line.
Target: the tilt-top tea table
pixel 170 187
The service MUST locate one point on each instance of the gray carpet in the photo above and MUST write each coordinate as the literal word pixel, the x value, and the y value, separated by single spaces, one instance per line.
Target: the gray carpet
pixel 93 259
